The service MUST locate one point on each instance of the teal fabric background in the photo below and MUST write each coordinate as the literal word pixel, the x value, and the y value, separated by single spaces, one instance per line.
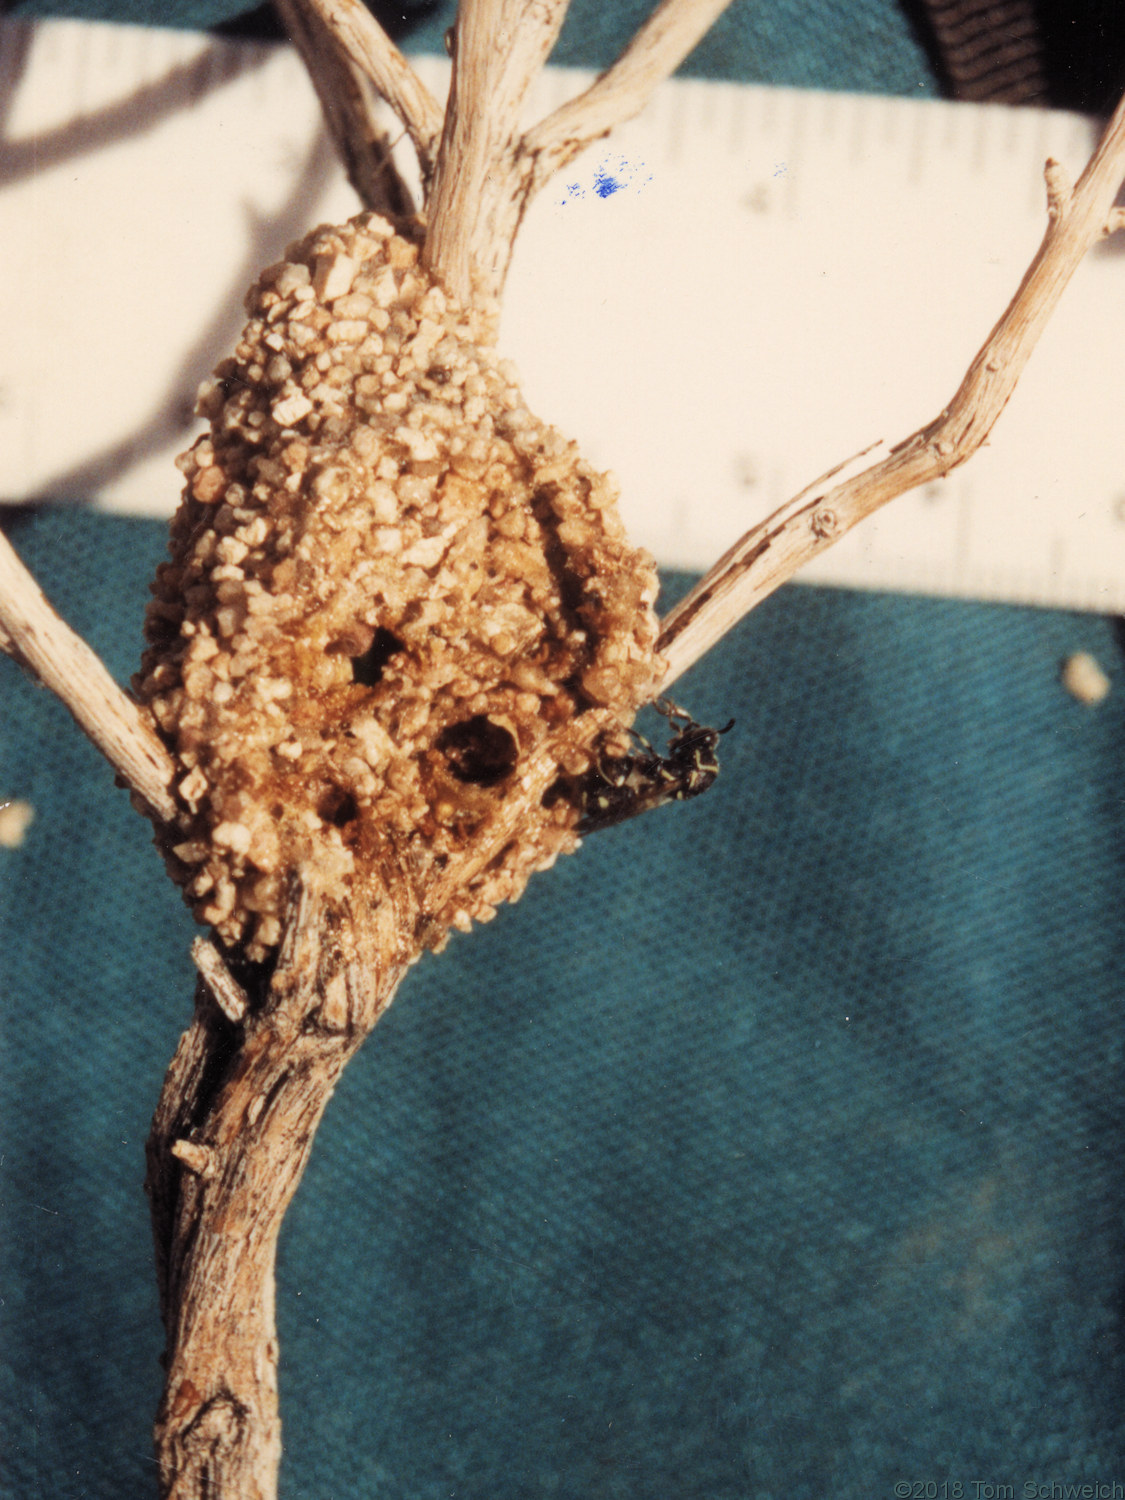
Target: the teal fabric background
pixel 769 1149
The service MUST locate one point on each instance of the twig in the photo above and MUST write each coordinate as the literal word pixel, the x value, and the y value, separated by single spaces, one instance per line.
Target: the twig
pixel 347 102
pixel 32 633
pixel 622 91
pixel 499 47
pixel 358 42
pixel 229 995
pixel 778 547
pixel 484 172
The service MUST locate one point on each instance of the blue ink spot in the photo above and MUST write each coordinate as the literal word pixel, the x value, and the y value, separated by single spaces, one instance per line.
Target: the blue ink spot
pixel 609 178
pixel 604 184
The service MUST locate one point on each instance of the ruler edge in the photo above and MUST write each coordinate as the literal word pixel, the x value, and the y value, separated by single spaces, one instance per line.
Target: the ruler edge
pixel 434 68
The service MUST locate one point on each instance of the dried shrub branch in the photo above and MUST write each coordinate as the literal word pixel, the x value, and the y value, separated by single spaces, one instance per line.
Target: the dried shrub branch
pixel 772 552
pixel 341 43
pixel 488 171
pixel 491 168
pixel 219 1192
pixel 399 616
pixel 208 1439
pixel 620 93
pixel 347 102
pixel 42 643
pixel 498 48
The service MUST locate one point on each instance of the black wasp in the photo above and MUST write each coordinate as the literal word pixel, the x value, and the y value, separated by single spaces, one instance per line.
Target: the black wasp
pixel 621 786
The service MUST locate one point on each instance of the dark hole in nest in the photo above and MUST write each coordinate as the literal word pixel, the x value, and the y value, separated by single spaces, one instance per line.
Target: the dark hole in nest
pixel 479 751
pixel 338 807
pixel 370 652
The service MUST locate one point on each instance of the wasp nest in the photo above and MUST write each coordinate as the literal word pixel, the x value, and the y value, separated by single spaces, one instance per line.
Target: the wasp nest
pixel 390 586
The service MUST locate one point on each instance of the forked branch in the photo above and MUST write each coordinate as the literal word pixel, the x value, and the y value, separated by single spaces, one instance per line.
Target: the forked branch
pixel 499 47
pixel 489 177
pixel 487 171
pixel 618 94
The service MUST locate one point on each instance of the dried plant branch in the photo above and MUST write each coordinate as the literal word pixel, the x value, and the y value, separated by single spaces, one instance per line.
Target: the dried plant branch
pixel 499 46
pixel 347 102
pixel 777 548
pixel 229 995
pixel 488 177
pixel 394 709
pixel 621 92
pixel 225 1155
pixel 485 173
pixel 338 36
pixel 255 1070
pixel 32 633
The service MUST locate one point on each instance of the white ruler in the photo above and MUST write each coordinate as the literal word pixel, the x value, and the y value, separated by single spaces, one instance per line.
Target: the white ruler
pixel 745 286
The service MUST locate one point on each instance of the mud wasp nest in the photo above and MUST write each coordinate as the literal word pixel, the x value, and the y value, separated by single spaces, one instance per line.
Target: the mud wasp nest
pixel 390 584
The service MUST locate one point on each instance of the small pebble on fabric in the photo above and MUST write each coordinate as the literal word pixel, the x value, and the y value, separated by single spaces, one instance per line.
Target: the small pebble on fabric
pixel 1084 678
pixel 15 819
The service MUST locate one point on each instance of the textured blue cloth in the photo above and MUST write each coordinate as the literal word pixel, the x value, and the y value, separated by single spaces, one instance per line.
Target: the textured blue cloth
pixel 867 45
pixel 769 1149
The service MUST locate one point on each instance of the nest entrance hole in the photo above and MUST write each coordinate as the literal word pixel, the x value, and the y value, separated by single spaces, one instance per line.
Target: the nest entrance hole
pixel 338 806
pixel 367 667
pixel 369 649
pixel 478 751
